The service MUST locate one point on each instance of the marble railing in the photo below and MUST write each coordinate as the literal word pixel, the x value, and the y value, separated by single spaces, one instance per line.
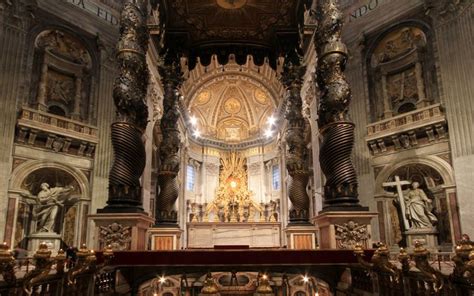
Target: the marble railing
pixel 407 130
pixel 41 129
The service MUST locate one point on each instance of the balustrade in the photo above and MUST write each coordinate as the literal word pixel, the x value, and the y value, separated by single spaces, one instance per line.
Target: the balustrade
pixel 44 274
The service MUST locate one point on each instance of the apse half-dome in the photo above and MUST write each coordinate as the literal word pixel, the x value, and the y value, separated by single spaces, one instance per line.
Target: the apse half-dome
pixel 231 105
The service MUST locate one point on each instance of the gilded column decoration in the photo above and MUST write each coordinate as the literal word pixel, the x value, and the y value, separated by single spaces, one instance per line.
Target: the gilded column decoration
pixel 132 112
pixel 296 164
pixel 336 128
pixel 171 76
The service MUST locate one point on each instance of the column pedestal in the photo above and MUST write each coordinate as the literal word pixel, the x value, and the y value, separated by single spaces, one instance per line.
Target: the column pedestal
pixel 52 240
pixel 426 236
pixel 123 231
pixel 165 238
pixel 343 230
pixel 301 237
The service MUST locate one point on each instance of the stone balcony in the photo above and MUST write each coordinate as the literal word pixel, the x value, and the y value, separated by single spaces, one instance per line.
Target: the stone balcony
pixel 408 130
pixel 44 130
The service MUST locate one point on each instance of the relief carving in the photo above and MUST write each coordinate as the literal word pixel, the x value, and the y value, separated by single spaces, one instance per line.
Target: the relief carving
pixel 60 87
pixel 115 235
pixel 64 76
pixel 64 46
pixel 398 44
pixel 445 9
pixel 349 234
pixel 398 70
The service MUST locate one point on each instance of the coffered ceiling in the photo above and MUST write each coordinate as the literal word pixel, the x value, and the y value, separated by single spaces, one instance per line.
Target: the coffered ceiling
pixel 205 27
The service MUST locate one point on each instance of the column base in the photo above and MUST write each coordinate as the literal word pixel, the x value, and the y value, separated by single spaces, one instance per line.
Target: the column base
pixel 343 230
pixel 301 237
pixel 123 231
pixel 428 237
pixel 164 238
pixel 120 209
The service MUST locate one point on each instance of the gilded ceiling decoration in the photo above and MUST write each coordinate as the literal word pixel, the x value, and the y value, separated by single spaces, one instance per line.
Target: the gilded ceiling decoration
pixel 232 103
pixel 232 108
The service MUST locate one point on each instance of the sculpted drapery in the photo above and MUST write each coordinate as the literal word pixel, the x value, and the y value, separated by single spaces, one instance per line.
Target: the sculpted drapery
pixel 418 208
pixel 49 200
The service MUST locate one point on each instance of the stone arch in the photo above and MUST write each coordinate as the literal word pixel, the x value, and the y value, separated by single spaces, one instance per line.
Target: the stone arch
pixel 437 163
pixel 441 192
pixel 25 169
pixel 24 185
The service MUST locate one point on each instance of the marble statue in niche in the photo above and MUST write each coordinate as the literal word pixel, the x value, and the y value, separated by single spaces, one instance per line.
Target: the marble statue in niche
pixel 418 208
pixel 428 199
pixel 48 196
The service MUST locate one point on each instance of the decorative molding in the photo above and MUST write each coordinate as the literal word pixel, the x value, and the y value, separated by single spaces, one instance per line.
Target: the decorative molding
pixel 444 11
pixel 408 130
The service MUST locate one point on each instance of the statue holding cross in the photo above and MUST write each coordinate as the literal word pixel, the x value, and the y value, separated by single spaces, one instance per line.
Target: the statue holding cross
pixel 401 200
pixel 415 205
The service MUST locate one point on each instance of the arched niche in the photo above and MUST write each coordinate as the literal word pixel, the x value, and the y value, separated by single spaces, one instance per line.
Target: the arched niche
pixel 62 75
pixel 401 70
pixel 70 222
pixel 436 179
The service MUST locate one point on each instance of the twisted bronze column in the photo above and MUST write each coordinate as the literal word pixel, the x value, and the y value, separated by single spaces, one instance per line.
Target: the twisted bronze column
pixel 336 128
pixel 297 153
pixel 132 112
pixel 172 78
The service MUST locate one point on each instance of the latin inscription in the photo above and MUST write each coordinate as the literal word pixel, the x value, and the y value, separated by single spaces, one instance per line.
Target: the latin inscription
pixel 364 9
pixel 98 11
